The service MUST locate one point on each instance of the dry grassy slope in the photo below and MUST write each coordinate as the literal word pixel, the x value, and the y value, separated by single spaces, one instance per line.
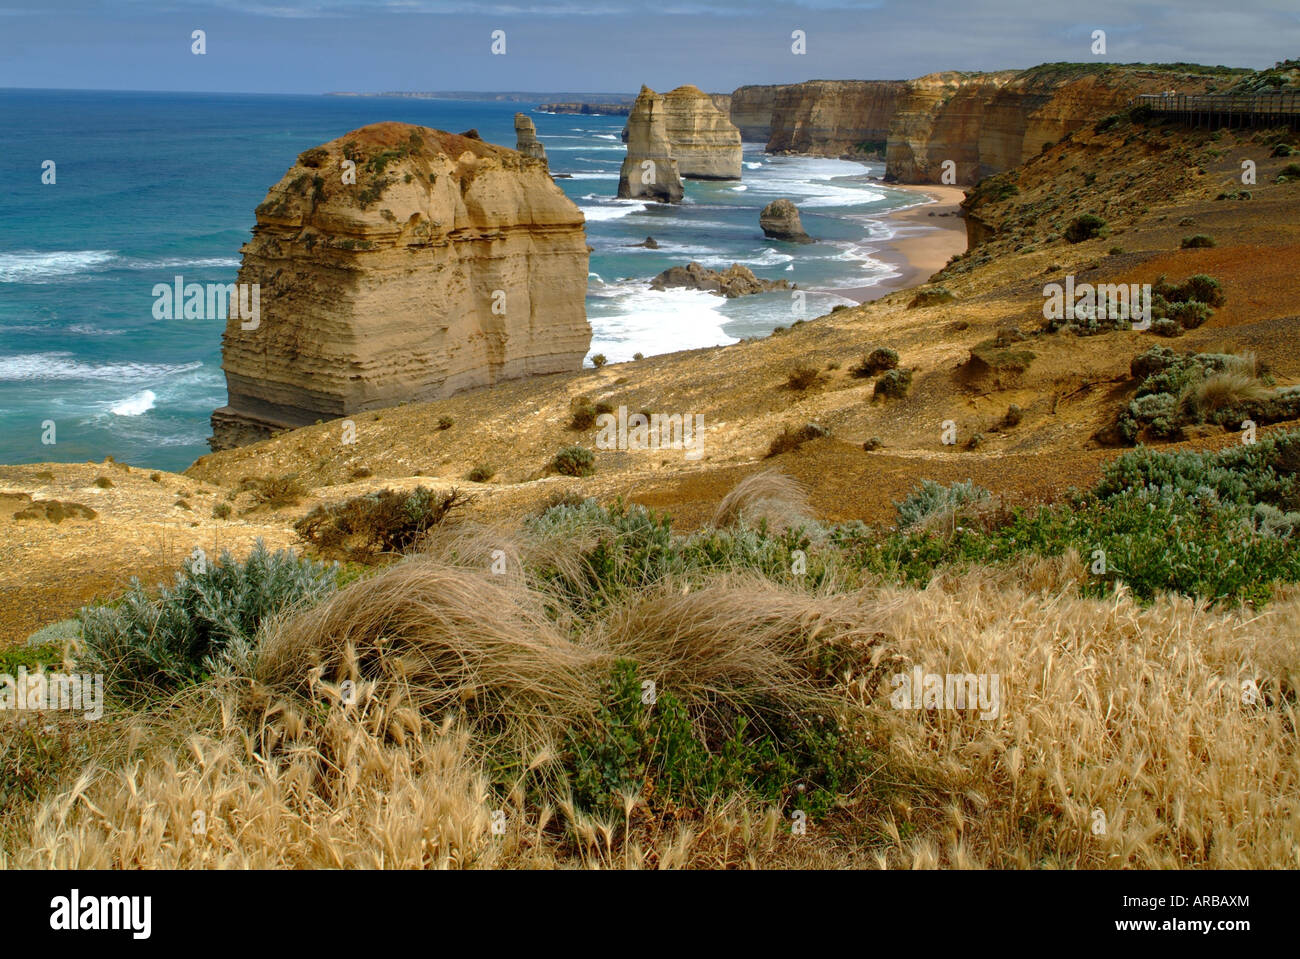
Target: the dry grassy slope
pixel 1148 185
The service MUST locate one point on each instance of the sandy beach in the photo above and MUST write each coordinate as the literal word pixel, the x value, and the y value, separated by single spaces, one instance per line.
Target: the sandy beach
pixel 926 237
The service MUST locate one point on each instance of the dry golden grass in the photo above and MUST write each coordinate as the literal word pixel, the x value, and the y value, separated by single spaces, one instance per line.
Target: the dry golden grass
pixel 769 495
pixel 1222 390
pixel 1106 705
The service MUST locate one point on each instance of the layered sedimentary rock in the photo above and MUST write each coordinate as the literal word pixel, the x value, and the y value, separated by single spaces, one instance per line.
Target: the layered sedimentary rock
pixel 705 144
pixel 780 220
pixel 649 170
pixel 983 123
pixel 937 127
pixel 448 263
pixel 526 141
pixel 834 117
pixel 751 110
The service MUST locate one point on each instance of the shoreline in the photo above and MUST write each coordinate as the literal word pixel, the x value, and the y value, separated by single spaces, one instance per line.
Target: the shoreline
pixel 922 245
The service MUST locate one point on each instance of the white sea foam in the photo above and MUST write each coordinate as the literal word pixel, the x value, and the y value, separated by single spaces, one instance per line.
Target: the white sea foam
pixel 135 404
pixel 31 267
pixel 630 318
pixel 26 367
pixel 610 208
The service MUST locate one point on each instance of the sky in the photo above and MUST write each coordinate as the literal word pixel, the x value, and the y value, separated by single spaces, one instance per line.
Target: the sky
pixel 279 46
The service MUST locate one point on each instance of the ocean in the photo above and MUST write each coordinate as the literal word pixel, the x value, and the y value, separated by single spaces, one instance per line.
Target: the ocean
pixel 148 186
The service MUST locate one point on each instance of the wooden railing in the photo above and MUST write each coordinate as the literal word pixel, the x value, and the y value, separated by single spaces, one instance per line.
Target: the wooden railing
pixel 1227 109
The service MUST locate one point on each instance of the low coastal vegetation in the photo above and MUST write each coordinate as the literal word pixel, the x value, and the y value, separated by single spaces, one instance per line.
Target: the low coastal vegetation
pixel 593 687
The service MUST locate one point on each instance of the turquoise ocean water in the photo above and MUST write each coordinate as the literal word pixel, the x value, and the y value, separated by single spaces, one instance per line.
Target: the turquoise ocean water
pixel 152 185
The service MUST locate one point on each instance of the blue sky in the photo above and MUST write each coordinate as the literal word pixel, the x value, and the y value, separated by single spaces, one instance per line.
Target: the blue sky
pixel 279 46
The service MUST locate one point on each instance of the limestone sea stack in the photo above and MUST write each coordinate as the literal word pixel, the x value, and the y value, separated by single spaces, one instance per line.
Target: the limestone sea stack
pixel 780 220
pixel 526 141
pixel 446 263
pixel 703 141
pixel 649 169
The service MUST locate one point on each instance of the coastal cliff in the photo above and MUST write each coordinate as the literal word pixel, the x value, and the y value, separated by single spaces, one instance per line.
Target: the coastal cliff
pixel 447 263
pixel 705 144
pixel 833 117
pixel 751 110
pixel 984 123
pixel 649 170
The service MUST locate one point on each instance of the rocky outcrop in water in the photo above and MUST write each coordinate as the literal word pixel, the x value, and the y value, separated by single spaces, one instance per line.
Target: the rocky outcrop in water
pixel 448 263
pixel 526 141
pixel 780 221
pixel 705 144
pixel 735 280
pixel 649 170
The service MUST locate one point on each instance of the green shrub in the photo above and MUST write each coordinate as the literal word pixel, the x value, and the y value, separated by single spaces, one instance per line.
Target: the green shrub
pixel 147 646
pixel 931 498
pixel 877 361
pixel 574 461
pixel 789 439
pixel 221 511
pixel 598 360
pixel 445 422
pixel 671 752
pixel 275 492
pixel 1282 150
pixel 1197 241
pixel 383 522
pixel 481 473
pixel 801 378
pixel 929 296
pixel 582 413
pixel 893 383
pixel 1085 227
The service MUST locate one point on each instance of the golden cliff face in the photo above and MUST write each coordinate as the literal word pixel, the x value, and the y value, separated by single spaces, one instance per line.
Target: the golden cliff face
pixel 971 124
pixel 833 117
pixel 751 111
pixel 704 142
pixel 986 123
pixel 447 264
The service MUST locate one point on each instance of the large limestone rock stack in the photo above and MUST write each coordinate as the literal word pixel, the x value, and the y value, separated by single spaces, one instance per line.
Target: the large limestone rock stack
pixel 649 170
pixel 448 263
pixel 526 141
pixel 704 142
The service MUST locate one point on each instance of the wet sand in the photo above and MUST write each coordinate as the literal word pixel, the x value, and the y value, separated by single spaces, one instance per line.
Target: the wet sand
pixel 922 244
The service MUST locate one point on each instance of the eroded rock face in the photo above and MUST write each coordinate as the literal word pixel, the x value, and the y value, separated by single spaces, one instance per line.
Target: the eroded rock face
pixel 751 110
pixel 735 280
pixel 526 141
pixel 649 170
pixel 450 263
pixel 705 144
pixel 983 123
pixel 780 220
pixel 834 117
